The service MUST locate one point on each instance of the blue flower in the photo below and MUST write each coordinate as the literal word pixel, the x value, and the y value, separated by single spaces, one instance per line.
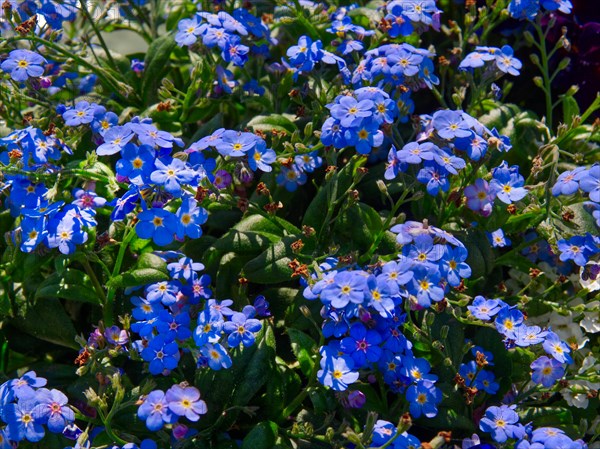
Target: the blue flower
pixel 216 356
pixel 155 411
pixel 557 348
pixel 485 381
pixel 415 153
pixel 241 329
pixel 209 329
pixel 450 124
pixel 162 355
pixel 508 319
pixel 347 287
pixel 189 217
pixel 157 224
pixel 22 422
pixel 189 30
pixel 568 182
pixel 172 175
pixel 351 112
pixel 484 309
pixel 507 184
pixel 82 113
pixel 589 181
pixel 424 398
pixel 336 372
pixel 546 371
pixel 136 164
pixel 498 239
pixel 291 177
pixel 423 251
pixel 501 422
pixel 261 157
pixel 65 234
pixel 165 292
pixel 425 285
pixel 578 249
pixel 362 345
pixel 506 62
pixel 23 64
pixel 174 326
pixel 114 140
pixel 52 410
pixel 454 265
pixel 24 387
pixel 416 369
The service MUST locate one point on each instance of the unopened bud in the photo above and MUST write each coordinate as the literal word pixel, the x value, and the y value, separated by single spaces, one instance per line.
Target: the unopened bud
pixel 444 332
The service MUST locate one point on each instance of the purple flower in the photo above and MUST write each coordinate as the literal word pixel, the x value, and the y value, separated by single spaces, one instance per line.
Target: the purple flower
pixel 185 401
pixel 155 411
pixel 484 309
pixel 116 336
pixel 479 198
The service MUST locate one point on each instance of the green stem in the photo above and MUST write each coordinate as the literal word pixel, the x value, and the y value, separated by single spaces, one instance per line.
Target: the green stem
pixel 109 306
pixel 92 22
pixel 547 87
pixel 312 379
pixel 97 286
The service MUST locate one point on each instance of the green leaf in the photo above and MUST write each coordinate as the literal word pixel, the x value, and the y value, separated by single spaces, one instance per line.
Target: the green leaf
pixel 48 321
pixel 156 60
pixel 481 255
pixel 271 266
pixel 72 284
pixel 137 277
pixel 150 260
pixel 241 242
pixel 570 109
pixel 328 193
pixel 256 373
pixel 303 347
pixel 277 122
pixel 261 437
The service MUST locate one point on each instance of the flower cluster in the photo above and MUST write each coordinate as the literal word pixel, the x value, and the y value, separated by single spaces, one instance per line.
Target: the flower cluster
pixel 385 433
pixel 529 9
pixel 406 16
pixel 356 119
pixel 363 311
pixel 163 318
pixel 503 424
pixel 495 61
pixel 226 32
pixel 159 408
pixel 27 408
pixel 510 322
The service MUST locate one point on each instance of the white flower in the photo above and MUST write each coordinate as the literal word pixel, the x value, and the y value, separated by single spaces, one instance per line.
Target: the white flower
pixel 591 320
